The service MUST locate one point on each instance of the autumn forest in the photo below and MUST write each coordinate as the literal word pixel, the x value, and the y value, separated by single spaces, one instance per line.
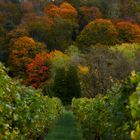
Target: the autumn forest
pixel 69 70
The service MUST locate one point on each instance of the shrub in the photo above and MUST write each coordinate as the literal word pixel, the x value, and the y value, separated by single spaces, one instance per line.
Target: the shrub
pixel 134 106
pixel 24 112
pixel 109 117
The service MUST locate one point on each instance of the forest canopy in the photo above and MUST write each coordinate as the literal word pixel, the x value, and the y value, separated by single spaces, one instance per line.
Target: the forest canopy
pixel 79 58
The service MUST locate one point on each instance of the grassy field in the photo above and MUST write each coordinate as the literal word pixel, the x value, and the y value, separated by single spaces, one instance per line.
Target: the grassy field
pixel 65 129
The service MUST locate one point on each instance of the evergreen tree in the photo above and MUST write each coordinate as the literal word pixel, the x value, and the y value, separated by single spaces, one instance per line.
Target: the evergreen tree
pixel 59 87
pixel 73 84
pixel 66 84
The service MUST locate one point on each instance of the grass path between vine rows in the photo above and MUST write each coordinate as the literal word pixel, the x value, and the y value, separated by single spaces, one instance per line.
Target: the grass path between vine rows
pixel 65 128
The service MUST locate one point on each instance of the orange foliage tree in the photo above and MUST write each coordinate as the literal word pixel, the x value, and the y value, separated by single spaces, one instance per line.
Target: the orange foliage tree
pixel 128 32
pixel 67 11
pixel 64 27
pixel 52 11
pixel 18 32
pixel 22 52
pixel 38 70
pixel 89 14
pixel 98 31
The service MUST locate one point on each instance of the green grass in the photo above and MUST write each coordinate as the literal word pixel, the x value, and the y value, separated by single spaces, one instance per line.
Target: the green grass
pixel 65 129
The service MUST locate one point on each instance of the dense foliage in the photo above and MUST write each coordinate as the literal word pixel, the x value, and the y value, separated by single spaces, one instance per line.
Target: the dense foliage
pixel 24 112
pixel 98 31
pixel 22 52
pixel 135 111
pixel 88 14
pixel 66 84
pixel 131 53
pixel 109 117
pixel 64 25
pixel 105 67
pixel 128 32
pixel 66 49
pixel 38 70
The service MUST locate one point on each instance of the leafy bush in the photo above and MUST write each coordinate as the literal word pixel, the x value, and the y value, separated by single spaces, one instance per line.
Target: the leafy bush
pixel 109 117
pixel 135 107
pixel 24 112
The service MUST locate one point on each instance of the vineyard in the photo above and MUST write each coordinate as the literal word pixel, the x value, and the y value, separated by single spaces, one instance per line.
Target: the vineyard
pixel 24 112
pixel 27 114
pixel 113 116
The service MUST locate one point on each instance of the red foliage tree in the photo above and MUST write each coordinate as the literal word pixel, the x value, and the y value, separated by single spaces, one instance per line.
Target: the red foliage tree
pixel 38 70
pixel 128 32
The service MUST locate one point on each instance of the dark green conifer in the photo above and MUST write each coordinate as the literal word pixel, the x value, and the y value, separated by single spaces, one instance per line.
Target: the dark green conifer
pixel 73 84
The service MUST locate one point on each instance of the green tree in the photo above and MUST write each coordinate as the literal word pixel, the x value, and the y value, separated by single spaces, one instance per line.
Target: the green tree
pixel 67 84
pixel 59 87
pixel 73 84
pixel 61 34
